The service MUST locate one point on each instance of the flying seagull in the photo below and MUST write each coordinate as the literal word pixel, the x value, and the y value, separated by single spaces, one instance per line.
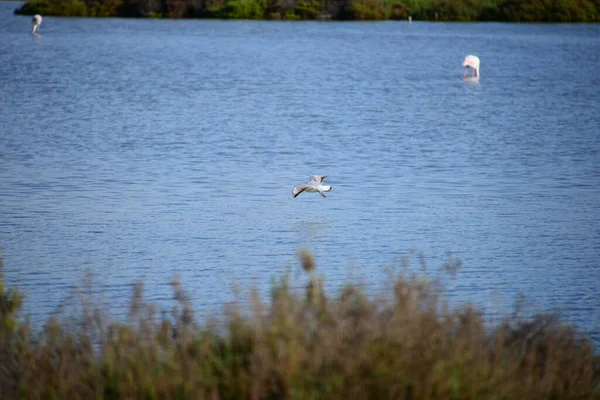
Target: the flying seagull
pixel 315 185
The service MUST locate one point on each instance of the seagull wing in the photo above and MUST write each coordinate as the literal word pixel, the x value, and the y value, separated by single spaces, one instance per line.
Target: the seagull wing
pixel 318 179
pixel 299 189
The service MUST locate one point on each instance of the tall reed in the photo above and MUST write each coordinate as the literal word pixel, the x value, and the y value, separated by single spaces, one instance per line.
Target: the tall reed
pixel 297 344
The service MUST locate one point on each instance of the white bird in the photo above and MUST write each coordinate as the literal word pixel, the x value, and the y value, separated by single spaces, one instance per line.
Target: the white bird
pixel 471 62
pixel 315 185
pixel 36 21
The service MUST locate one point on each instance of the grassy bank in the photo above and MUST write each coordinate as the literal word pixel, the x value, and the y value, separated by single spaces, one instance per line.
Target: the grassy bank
pixel 426 10
pixel 299 344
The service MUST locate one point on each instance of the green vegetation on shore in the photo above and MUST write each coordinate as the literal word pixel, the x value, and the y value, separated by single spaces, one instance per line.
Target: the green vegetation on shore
pixel 427 10
pixel 300 344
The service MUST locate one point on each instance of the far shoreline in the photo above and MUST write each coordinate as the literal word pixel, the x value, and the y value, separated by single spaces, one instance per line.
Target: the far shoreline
pixel 461 11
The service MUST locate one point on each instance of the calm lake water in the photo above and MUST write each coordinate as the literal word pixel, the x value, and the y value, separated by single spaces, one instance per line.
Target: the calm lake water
pixel 149 149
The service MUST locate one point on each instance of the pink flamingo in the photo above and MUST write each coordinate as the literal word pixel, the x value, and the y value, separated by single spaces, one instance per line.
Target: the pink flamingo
pixel 471 62
pixel 36 21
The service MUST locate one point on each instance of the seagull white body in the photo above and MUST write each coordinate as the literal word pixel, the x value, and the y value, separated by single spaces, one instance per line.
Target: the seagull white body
pixel 471 62
pixel 315 185
pixel 36 21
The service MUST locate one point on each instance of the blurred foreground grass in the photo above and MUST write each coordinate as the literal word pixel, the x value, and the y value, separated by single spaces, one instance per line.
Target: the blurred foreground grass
pixel 299 344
